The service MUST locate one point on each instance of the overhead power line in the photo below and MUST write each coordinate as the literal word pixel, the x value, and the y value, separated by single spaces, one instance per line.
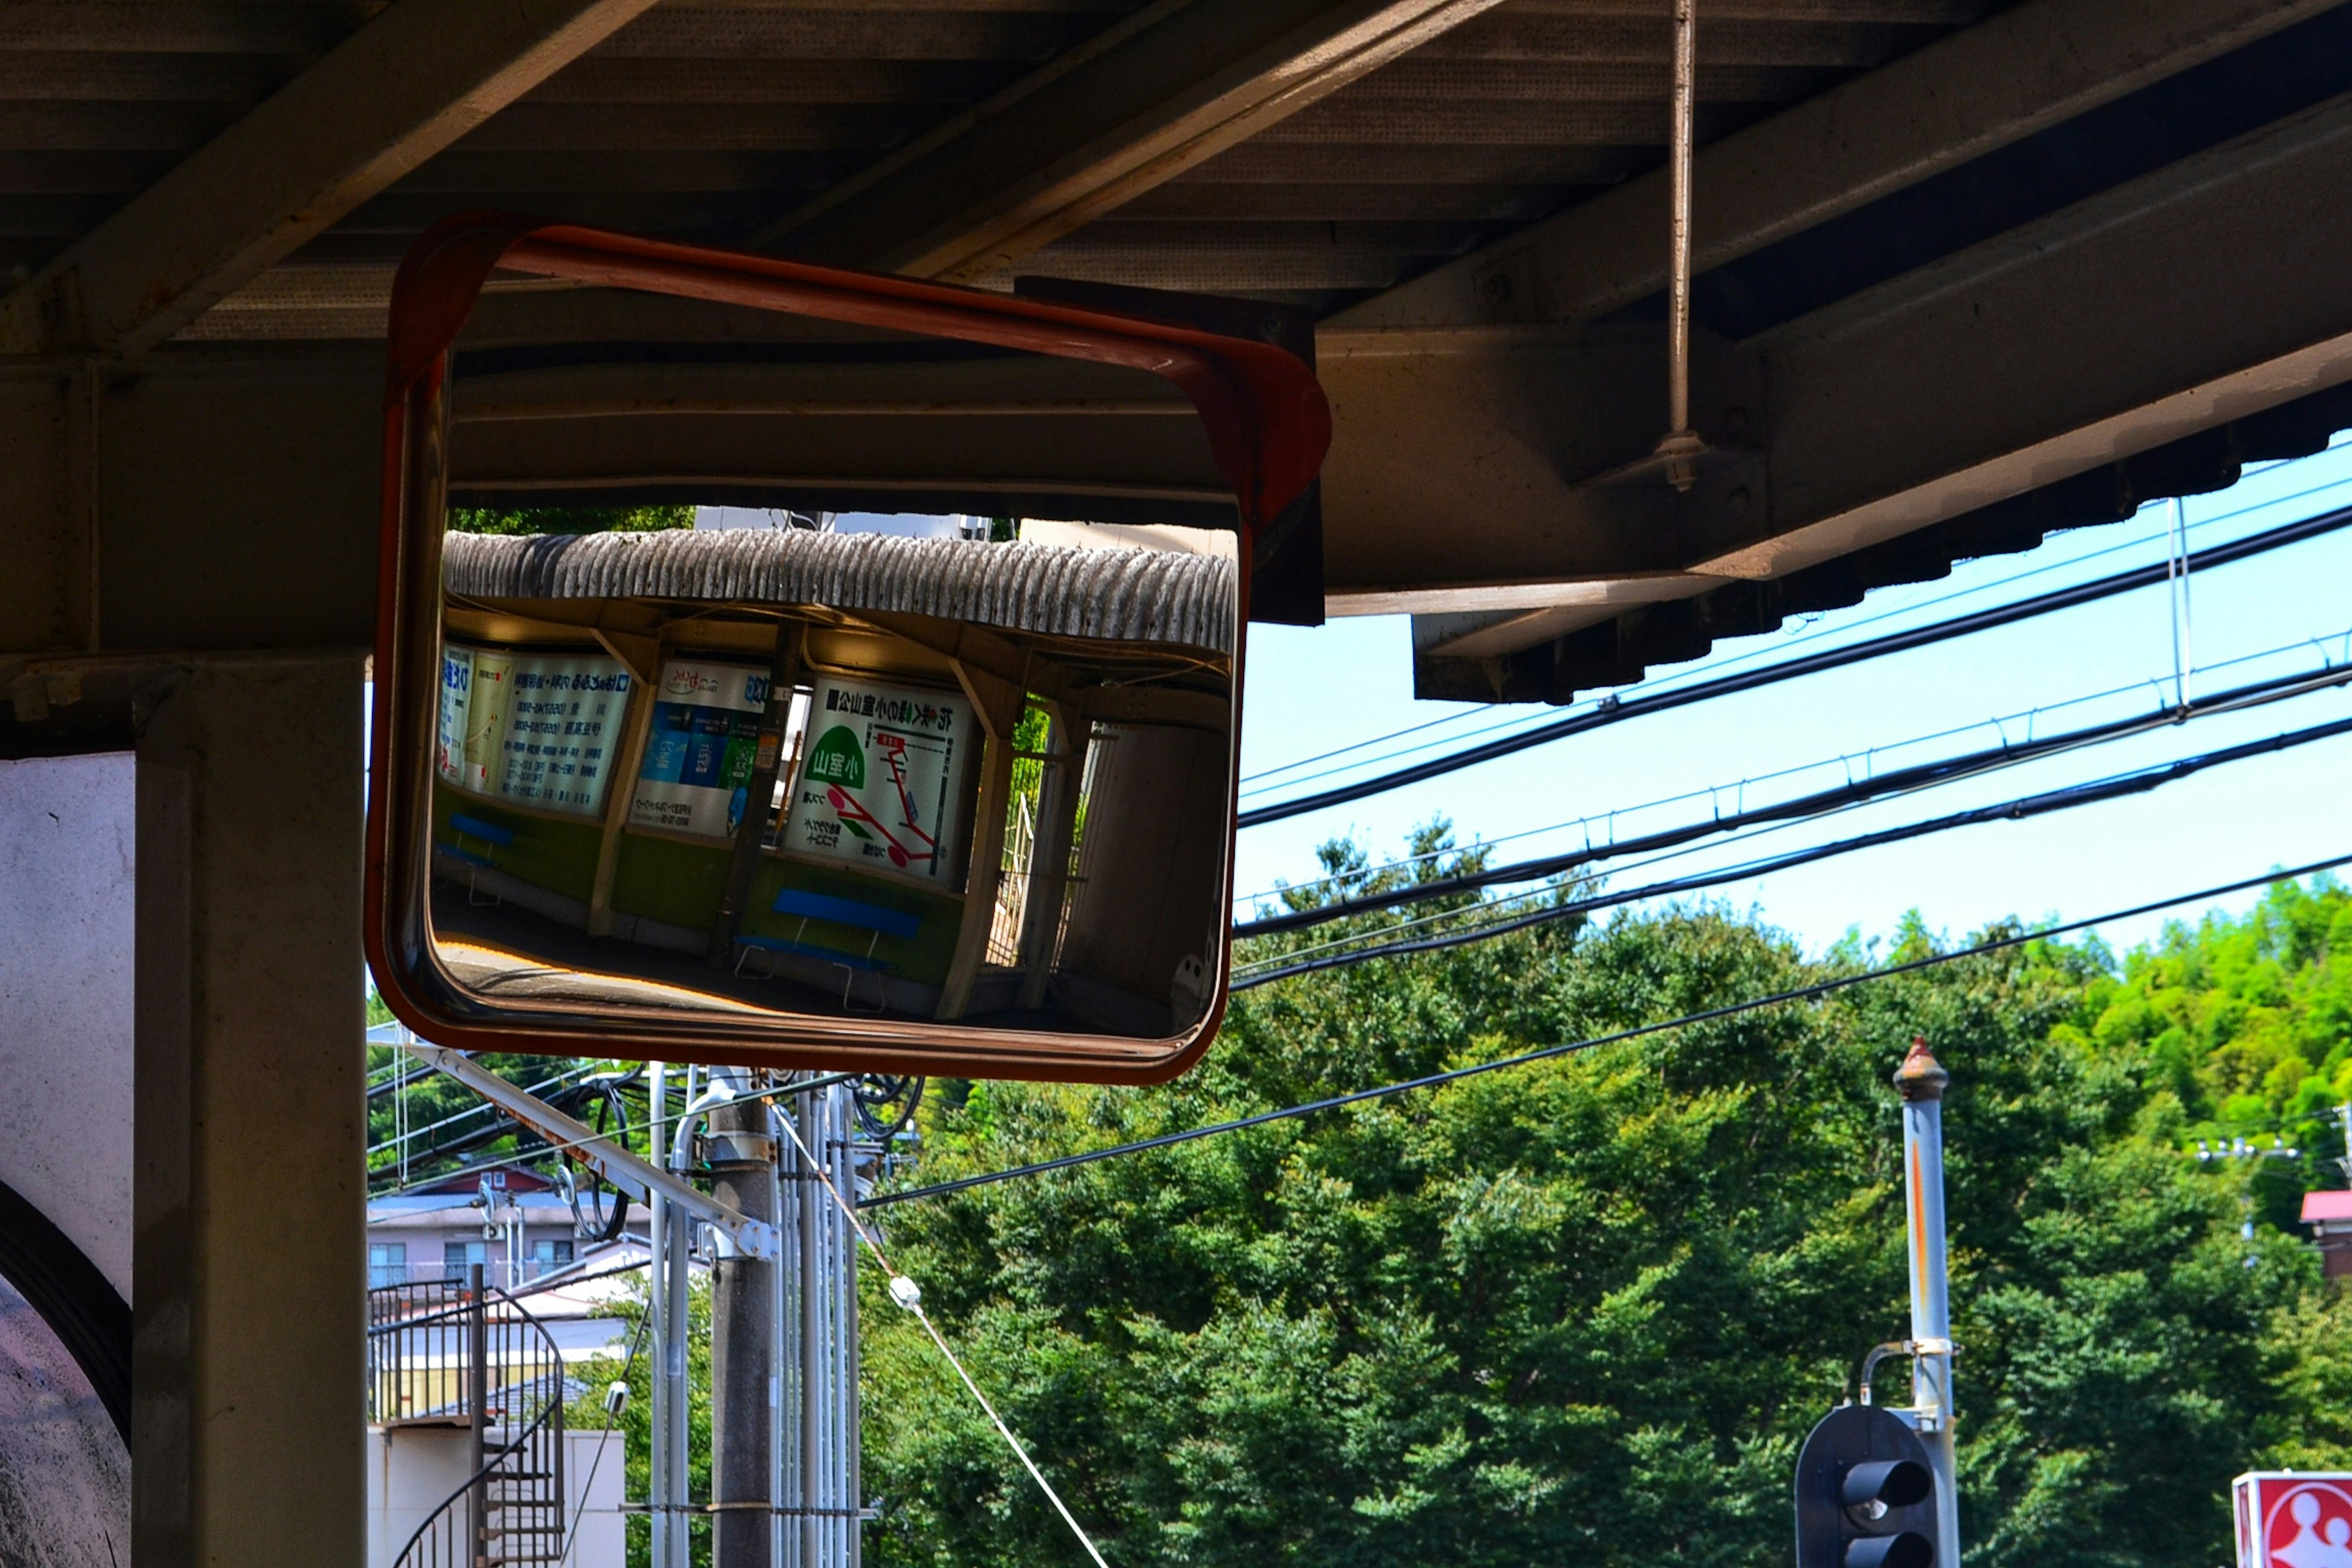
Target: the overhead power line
pixel 2116 787
pixel 1615 710
pixel 2123 540
pixel 1502 1064
pixel 1855 792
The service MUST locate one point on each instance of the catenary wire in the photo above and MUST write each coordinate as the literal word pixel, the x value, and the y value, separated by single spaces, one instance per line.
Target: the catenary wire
pixel 1739 787
pixel 1899 781
pixel 1739 841
pixel 1614 711
pixel 1253 783
pixel 1708 1015
pixel 2116 787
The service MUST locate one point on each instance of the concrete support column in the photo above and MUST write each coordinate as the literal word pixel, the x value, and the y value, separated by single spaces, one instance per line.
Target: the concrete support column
pixel 248 1312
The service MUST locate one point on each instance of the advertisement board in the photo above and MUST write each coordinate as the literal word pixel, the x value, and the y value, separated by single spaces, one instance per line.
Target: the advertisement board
pixel 700 749
pixel 2293 1518
pixel 533 728
pixel 881 778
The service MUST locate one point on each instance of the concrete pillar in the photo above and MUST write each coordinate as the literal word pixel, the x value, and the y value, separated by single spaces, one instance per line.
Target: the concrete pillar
pixel 248 1312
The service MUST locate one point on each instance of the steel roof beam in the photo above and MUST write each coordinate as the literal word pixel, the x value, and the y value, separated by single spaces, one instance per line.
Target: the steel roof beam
pixel 1153 96
pixel 2108 329
pixel 2019 72
pixel 406 84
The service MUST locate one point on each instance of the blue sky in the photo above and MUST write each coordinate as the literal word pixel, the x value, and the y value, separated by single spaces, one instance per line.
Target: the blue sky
pixel 1311 691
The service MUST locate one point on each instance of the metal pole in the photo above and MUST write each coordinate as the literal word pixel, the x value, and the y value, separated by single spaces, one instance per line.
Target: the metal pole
pixel 658 1303
pixel 742 1160
pixel 779 1336
pixel 1921 1081
pixel 477 1357
pixel 681 1243
pixel 811 1293
pixel 1679 286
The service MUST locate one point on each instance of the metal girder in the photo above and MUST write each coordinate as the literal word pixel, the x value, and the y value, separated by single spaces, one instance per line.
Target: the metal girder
pixel 1154 95
pixel 410 81
pixel 2192 298
pixel 625 1170
pixel 2022 71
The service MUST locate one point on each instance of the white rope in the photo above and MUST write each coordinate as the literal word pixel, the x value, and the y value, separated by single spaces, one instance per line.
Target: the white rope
pixel 910 1295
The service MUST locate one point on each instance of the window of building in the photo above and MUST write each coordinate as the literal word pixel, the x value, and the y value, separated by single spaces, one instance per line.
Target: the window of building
pixel 457 1258
pixel 546 1257
pixel 387 1264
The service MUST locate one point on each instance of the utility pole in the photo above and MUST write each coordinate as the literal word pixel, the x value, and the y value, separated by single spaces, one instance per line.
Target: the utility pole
pixel 1921 1081
pixel 818 1495
pixel 740 1150
pixel 658 1518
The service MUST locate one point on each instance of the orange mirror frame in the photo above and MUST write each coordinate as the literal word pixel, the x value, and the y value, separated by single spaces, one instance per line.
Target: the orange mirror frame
pixel 1267 426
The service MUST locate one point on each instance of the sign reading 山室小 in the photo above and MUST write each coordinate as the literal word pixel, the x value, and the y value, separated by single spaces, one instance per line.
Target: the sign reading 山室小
pixel 880 781
pixel 2291 1518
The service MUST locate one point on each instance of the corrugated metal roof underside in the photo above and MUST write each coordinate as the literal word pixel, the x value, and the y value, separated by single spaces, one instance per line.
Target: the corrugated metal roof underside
pixel 706 121
pixel 1121 595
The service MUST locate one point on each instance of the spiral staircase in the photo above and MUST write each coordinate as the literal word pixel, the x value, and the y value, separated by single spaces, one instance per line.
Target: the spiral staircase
pixel 448 1354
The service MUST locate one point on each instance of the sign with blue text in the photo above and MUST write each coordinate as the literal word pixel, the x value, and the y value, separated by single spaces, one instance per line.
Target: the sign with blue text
pixel 537 728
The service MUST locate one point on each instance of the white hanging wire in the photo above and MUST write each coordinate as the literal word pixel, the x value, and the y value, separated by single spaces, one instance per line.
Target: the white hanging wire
pixel 2175 573
pixel 910 1295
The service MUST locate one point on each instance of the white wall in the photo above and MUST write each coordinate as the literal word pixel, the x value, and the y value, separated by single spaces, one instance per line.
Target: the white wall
pixel 413 1468
pixel 66 846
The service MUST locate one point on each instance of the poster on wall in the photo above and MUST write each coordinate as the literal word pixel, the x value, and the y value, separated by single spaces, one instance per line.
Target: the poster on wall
pixel 700 750
pixel 880 781
pixel 532 727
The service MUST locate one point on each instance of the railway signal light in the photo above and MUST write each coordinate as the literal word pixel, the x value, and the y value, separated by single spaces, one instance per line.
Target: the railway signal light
pixel 1865 1494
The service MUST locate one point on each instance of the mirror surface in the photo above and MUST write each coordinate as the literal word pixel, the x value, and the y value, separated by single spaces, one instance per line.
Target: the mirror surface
pixel 947 768
pixel 796 668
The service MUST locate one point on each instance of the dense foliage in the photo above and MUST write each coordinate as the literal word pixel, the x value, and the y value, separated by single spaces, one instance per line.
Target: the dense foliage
pixel 1584 1311
pixel 569 519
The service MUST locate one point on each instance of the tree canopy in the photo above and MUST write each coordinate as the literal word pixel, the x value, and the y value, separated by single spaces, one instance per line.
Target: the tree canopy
pixel 1585 1310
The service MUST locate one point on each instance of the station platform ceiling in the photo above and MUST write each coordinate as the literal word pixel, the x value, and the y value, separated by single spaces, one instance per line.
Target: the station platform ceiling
pixel 1967 272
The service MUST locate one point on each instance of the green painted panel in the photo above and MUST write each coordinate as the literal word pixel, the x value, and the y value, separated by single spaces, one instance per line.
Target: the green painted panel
pixel 664 879
pixel 547 852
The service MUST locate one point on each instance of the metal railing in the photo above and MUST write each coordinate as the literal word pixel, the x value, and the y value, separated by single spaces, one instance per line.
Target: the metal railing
pixel 468 1354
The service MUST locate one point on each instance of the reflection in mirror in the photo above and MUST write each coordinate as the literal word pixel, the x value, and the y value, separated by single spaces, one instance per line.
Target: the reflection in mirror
pixel 881 766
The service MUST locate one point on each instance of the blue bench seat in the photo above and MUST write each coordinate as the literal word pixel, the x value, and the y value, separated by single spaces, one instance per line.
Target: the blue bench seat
pixel 877 920
pixel 493 837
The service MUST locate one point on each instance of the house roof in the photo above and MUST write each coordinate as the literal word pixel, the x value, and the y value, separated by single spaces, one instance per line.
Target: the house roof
pixel 2326 1206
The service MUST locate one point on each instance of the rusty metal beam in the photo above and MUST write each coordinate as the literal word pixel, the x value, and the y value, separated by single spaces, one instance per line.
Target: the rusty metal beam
pixel 2019 72
pixel 1158 93
pixel 406 84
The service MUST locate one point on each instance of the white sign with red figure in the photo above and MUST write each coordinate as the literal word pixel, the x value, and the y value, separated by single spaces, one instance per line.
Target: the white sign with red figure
pixel 881 786
pixel 2293 1518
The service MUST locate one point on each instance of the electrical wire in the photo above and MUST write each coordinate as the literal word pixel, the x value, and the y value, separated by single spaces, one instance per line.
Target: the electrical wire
pixel 910 1296
pixel 1714 666
pixel 1999 723
pixel 652 1125
pixel 2115 787
pixel 1613 710
pixel 1901 781
pixel 1728 1010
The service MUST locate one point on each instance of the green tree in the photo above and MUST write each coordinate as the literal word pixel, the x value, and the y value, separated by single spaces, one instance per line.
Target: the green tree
pixel 569 518
pixel 1584 1310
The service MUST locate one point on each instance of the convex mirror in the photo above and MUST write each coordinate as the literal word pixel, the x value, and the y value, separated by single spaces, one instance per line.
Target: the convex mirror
pixel 790 667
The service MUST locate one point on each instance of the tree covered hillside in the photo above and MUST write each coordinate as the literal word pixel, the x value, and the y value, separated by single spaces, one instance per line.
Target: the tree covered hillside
pixel 1582 1312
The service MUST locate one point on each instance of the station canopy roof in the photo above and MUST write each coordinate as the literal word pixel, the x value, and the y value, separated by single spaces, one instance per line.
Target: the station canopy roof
pixel 1967 272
